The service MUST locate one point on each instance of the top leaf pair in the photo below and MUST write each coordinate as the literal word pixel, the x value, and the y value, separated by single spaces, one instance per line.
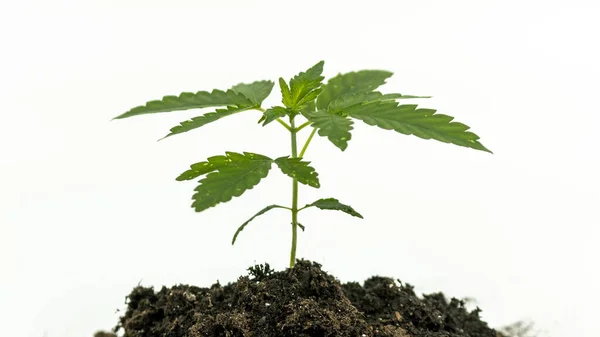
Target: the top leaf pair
pixel 329 108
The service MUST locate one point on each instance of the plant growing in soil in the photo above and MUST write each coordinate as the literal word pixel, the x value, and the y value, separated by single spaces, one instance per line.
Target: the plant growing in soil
pixel 328 109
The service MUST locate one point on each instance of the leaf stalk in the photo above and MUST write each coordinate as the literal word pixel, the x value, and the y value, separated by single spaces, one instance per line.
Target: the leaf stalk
pixel 301 155
pixel 304 125
pixel 285 125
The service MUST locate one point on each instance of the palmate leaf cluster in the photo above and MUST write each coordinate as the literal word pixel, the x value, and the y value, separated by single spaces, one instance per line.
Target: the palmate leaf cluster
pixel 330 108
pixel 234 173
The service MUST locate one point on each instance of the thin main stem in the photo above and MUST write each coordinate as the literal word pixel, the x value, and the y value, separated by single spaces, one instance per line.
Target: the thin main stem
pixel 294 196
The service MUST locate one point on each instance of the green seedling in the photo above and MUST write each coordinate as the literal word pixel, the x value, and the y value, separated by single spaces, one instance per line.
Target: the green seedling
pixel 326 109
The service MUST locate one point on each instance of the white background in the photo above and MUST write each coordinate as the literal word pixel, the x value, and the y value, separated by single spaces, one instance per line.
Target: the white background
pixel 88 207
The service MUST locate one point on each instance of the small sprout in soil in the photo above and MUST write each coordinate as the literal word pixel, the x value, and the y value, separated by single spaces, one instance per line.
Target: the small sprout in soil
pixel 329 109
pixel 261 271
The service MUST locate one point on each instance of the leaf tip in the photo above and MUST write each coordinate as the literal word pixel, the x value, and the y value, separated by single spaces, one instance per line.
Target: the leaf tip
pixel 481 147
pixel 167 136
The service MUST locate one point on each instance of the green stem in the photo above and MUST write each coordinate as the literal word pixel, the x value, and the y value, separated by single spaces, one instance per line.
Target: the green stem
pixel 307 142
pixel 303 125
pixel 285 125
pixel 294 196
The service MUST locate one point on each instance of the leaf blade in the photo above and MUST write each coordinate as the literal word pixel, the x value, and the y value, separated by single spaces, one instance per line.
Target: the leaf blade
pixel 256 91
pixel 334 204
pixel 333 126
pixel 235 174
pixel 362 97
pixel 305 82
pixel 196 122
pixel 309 98
pixel 352 82
pixel 296 168
pixel 286 95
pixel 261 212
pixel 196 170
pixel 348 100
pixel 308 108
pixel 272 114
pixel 423 123
pixel 187 101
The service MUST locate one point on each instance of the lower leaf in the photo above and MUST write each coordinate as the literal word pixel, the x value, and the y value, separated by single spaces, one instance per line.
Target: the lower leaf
pixel 333 204
pixel 261 212
pixel 301 170
pixel 235 174
pixel 272 114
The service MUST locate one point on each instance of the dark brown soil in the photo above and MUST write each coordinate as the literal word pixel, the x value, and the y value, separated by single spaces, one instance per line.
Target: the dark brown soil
pixel 301 302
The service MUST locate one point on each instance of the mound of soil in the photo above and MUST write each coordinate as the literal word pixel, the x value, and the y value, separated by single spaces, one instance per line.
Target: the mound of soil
pixel 301 302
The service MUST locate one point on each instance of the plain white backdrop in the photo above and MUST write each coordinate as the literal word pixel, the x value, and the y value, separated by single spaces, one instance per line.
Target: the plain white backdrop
pixel 89 208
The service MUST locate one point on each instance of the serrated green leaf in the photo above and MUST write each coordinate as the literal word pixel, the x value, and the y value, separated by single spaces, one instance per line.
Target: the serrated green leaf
pixel 272 114
pixel 347 100
pixel 308 108
pixel 334 204
pixel 188 100
pixel 207 118
pixel 296 168
pixel 235 173
pixel 197 170
pixel 335 127
pixel 305 82
pixel 413 96
pixel 256 91
pixel 310 97
pixel 352 82
pixel 409 120
pixel 286 96
pixel 351 99
pixel 261 212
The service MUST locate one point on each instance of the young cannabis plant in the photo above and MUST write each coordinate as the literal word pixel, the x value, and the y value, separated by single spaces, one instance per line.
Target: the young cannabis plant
pixel 329 109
